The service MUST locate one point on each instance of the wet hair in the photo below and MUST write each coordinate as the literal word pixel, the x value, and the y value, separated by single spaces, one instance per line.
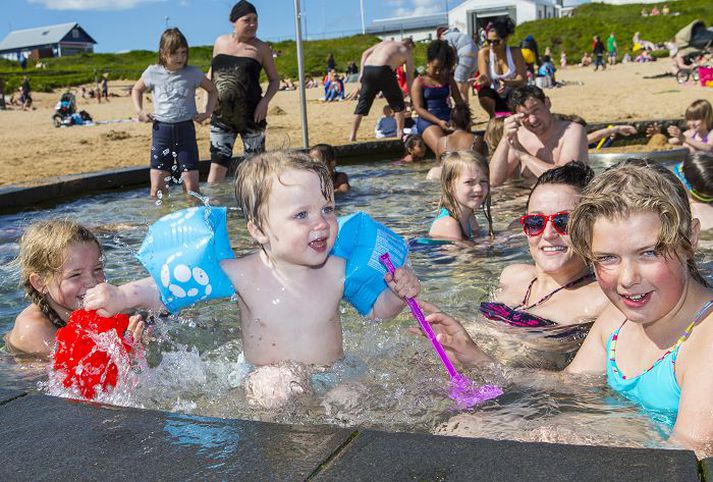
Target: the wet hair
pixel 240 9
pixel 701 110
pixel 411 142
pixel 43 251
pixel 697 169
pixel 504 27
pixel 520 95
pixel 442 51
pixel 637 186
pixel 575 174
pixel 256 175
pixel 493 133
pixel 461 116
pixel 454 164
pixel 171 40
pixel 323 152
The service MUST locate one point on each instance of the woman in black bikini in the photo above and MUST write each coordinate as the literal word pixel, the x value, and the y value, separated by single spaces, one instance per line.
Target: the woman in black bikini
pixel 235 69
pixel 559 289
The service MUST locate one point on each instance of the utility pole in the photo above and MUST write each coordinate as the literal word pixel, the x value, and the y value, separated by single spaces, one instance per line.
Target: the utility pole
pixel 167 18
pixel 301 74
pixel 363 27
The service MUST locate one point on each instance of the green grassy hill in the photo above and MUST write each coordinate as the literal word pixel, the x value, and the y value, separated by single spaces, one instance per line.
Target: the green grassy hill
pixel 574 34
pixel 80 69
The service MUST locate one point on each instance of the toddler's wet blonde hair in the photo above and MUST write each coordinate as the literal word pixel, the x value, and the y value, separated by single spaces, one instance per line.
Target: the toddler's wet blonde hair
pixel 636 186
pixel 253 181
pixel 43 251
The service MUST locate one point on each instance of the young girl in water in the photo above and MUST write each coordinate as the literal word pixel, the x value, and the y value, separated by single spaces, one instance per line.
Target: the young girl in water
pixel 415 149
pixel 173 138
pixel 699 136
pixel 59 260
pixel 653 342
pixel 465 189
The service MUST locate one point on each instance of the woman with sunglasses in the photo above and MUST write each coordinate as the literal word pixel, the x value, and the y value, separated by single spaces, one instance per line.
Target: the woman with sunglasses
pixel 560 288
pixel 501 68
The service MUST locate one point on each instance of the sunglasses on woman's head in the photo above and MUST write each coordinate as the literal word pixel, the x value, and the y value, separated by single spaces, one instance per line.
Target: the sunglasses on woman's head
pixel 534 224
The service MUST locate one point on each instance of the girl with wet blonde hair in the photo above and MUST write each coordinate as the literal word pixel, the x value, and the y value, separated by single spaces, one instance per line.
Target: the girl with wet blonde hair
pixel 59 260
pixel 465 188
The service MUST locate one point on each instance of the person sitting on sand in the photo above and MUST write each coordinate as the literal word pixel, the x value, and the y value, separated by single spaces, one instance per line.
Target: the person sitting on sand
pixel 586 60
pixel 534 140
pixel 378 64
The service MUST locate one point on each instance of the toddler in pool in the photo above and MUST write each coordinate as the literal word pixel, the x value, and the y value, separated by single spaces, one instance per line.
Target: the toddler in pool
pixel 465 189
pixel 289 290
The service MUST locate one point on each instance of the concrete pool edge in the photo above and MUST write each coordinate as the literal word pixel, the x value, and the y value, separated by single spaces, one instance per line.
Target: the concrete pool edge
pixel 49 438
pixel 16 198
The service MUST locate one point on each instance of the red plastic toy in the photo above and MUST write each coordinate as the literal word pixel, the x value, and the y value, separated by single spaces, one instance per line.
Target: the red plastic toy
pixel 83 363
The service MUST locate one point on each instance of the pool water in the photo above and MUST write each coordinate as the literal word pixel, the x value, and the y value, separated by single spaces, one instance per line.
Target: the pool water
pixel 388 379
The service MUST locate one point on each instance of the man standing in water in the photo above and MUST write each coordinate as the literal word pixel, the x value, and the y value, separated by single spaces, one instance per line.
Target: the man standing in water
pixel 534 140
pixel 238 59
pixel 378 66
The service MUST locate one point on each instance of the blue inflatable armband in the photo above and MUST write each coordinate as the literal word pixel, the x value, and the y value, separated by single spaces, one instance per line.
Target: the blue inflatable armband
pixel 361 240
pixel 182 252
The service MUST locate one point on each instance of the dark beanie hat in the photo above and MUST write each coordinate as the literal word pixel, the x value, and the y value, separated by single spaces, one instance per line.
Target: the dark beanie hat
pixel 240 9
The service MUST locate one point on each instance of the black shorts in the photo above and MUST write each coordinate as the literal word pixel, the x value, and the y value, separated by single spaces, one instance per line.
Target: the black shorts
pixel 174 144
pixel 501 103
pixel 377 79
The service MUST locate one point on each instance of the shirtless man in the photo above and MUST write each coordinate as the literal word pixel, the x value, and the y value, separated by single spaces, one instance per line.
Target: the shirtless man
pixel 378 66
pixel 534 140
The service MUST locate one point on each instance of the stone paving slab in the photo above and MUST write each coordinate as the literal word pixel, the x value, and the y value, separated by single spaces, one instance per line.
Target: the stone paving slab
pixel 402 456
pixel 7 394
pixel 48 438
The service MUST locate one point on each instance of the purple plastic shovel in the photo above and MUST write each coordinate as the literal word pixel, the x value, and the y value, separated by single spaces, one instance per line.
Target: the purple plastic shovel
pixel 464 391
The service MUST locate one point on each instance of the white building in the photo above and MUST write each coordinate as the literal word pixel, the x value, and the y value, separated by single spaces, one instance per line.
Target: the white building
pixel 473 15
pixel 420 29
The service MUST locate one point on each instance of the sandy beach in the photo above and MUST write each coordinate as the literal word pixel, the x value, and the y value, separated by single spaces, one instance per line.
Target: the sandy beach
pixel 33 149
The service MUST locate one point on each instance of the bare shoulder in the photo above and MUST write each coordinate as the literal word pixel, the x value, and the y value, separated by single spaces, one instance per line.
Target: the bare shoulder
pixel 221 42
pixel 515 275
pixel 574 129
pixel 609 320
pixel 241 270
pixel 446 227
pixel 32 333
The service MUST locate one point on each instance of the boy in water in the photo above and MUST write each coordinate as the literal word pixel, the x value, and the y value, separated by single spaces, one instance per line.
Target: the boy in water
pixel 289 290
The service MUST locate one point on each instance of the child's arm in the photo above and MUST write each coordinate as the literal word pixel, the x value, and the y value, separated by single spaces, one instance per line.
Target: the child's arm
pixel 694 424
pixel 212 92
pixel 592 356
pixel 403 284
pixel 137 95
pixel 110 300
pixel 504 161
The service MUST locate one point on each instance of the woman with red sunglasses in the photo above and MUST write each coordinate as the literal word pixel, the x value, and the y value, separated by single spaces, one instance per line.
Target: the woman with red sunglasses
pixel 559 289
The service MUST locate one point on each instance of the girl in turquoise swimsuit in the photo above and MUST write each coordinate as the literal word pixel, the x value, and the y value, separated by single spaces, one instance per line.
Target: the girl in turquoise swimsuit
pixel 654 341
pixel 465 190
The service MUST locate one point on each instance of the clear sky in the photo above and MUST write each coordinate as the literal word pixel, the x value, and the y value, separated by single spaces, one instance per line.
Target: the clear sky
pixel 119 25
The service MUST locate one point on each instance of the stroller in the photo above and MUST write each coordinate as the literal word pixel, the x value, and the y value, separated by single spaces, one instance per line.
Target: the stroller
pixel 695 49
pixel 66 112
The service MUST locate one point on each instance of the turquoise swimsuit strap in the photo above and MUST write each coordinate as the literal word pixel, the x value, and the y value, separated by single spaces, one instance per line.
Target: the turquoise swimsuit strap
pixel 673 350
